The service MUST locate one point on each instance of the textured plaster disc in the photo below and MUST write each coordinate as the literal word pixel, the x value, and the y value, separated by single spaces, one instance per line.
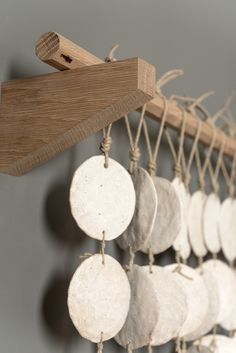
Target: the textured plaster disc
pixel 224 278
pixel 181 243
pixel 102 199
pixel 229 323
pixel 143 310
pixel 199 349
pixel 195 223
pixel 140 228
pixel 211 215
pixel 213 308
pixel 168 218
pixel 98 298
pixel 218 343
pixel 196 296
pixel 172 302
pixel 227 228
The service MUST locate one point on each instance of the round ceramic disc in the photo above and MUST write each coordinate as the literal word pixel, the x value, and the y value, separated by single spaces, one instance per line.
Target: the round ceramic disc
pixel 140 228
pixel 172 308
pixel 196 295
pixel 143 310
pixel 211 215
pixel 224 278
pixel 168 218
pixel 195 223
pixel 199 349
pixel 218 343
pixel 229 323
pixel 181 243
pixel 98 298
pixel 102 199
pixel 210 319
pixel 227 228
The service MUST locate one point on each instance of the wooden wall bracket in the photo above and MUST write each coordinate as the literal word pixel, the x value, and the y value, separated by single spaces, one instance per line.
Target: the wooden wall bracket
pixel 44 115
pixel 52 48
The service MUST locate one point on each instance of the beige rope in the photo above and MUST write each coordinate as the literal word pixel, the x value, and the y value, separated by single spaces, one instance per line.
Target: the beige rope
pixel 178 268
pixel 100 344
pixel 135 151
pixel 229 177
pixel 106 144
pixel 129 348
pixel 151 259
pixel 110 57
pixel 150 345
pixel 131 259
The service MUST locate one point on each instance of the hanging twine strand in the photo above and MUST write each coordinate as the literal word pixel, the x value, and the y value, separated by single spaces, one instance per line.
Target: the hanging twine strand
pixel 150 259
pixel 100 344
pixel 102 247
pixel 131 259
pixel 152 155
pixel 135 151
pixel 150 345
pixel 129 348
pixel 110 57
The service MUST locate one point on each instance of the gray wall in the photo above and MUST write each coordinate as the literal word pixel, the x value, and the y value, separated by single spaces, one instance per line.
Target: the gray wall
pixel 40 244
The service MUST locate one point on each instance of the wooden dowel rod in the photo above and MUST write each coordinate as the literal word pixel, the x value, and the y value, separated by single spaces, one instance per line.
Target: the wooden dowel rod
pixel 61 53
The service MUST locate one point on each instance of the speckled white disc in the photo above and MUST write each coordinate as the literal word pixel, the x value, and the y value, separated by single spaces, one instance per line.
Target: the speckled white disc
pixel 211 215
pixel 102 199
pixel 229 323
pixel 224 278
pixel 168 218
pixel 227 228
pixel 196 295
pixel 195 223
pixel 143 310
pixel 181 243
pixel 218 343
pixel 172 305
pixel 210 319
pixel 140 228
pixel 98 298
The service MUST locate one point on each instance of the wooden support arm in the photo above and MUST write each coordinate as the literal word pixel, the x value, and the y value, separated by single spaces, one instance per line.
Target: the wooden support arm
pixel 57 51
pixel 44 115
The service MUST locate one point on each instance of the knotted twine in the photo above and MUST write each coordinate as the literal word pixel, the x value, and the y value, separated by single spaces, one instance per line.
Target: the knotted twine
pixel 153 153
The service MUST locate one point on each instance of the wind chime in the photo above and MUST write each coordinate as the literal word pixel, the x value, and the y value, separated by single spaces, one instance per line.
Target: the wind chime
pixel 150 305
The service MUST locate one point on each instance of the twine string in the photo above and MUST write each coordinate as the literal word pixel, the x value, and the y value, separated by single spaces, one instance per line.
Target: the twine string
pixel 131 259
pixel 100 344
pixel 106 144
pixel 102 247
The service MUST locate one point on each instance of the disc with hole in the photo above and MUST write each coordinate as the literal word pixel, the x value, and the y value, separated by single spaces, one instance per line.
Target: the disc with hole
pixel 227 228
pixel 195 223
pixel 102 199
pixel 143 311
pixel 181 243
pixel 98 298
pixel 210 319
pixel 229 323
pixel 140 228
pixel 218 343
pixel 211 215
pixel 172 308
pixel 195 291
pixel 168 218
pixel 224 278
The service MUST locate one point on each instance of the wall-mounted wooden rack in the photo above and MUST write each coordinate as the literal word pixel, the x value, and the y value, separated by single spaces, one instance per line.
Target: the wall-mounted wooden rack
pixel 44 115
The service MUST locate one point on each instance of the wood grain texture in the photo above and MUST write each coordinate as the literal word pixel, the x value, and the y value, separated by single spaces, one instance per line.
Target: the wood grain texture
pixel 50 48
pixel 44 115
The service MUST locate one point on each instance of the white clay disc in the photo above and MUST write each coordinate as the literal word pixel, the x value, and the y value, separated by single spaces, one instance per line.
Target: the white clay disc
pixel 143 310
pixel 172 305
pixel 227 228
pixel 199 349
pixel 140 228
pixel 168 218
pixel 211 215
pixel 210 319
pixel 181 243
pixel 195 224
pixel 224 278
pixel 218 343
pixel 196 296
pixel 102 199
pixel 98 298
pixel 229 323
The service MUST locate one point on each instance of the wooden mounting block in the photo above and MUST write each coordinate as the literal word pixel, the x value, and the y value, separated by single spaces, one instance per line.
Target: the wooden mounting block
pixel 59 52
pixel 44 115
